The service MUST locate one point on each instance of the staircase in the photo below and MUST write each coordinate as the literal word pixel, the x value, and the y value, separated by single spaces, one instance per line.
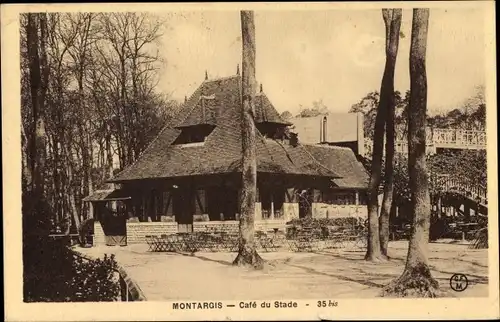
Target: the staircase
pixel 475 193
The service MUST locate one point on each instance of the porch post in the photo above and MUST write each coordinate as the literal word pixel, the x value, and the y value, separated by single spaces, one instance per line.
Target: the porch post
pixel 272 207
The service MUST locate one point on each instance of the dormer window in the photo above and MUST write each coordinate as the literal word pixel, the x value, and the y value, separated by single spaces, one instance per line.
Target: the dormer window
pixel 272 130
pixel 194 134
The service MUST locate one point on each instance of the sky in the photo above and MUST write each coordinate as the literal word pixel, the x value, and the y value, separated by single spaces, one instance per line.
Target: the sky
pixel 336 56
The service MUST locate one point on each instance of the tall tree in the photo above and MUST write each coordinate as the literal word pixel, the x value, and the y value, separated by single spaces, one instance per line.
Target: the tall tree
pixel 373 252
pixel 247 254
pixel 416 278
pixel 392 20
pixel 38 85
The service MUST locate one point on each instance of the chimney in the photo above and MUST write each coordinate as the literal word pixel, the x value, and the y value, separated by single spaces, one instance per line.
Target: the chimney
pixel 325 138
pixel 238 69
pixel 206 75
pixel 185 99
pixel 261 87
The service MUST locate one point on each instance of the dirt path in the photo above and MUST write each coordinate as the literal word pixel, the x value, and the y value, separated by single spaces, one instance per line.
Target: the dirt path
pixel 210 276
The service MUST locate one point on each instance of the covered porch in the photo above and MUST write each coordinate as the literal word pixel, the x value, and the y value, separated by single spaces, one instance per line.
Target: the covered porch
pixel 210 202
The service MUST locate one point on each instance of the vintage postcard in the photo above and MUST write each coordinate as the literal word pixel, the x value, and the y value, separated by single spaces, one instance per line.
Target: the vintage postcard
pixel 250 161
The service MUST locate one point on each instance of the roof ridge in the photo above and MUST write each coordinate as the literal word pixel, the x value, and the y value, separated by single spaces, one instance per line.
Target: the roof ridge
pixel 327 146
pixel 221 78
pixel 320 164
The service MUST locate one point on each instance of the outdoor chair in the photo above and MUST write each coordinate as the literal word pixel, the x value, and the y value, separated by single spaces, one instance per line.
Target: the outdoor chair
pixel 266 242
pixel 205 241
pixel 233 242
pixel 361 241
pixel 168 243
pixel 190 243
pixel 157 244
pixel 150 242
pixel 178 242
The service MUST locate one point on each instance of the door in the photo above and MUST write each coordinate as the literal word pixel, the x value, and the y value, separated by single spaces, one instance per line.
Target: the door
pixel 305 203
pixel 114 225
pixel 184 208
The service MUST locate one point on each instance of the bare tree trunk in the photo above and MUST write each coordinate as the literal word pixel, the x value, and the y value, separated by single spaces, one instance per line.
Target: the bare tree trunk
pixel 373 252
pixel 26 170
pixel 38 144
pixel 247 254
pixel 416 279
pixel 392 19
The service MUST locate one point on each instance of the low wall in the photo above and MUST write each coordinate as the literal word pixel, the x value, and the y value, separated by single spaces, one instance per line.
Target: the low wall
pixel 290 211
pixel 233 225
pixel 323 210
pixel 136 232
pixel 227 225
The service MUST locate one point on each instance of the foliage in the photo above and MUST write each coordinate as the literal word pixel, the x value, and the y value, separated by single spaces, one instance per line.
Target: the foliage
pixel 98 100
pixel 51 271
pixel 468 165
pixel 54 274
pixel 318 108
pixel 480 240
pixel 286 115
pixel 368 107
pixel 470 116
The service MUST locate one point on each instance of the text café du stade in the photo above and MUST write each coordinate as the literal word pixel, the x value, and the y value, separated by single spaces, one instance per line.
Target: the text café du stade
pixel 242 305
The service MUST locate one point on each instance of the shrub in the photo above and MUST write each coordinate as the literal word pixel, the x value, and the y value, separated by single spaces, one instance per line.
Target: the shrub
pixel 51 270
pixel 55 273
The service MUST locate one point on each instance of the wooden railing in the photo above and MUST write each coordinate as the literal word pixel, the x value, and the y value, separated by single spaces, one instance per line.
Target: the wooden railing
pixel 440 138
pixel 472 191
pixel 457 138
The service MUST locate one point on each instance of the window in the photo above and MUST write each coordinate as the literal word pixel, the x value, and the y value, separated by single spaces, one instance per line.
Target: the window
pixel 334 197
pixel 272 130
pixel 194 134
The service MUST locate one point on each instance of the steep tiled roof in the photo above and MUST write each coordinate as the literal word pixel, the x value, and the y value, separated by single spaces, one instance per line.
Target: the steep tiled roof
pixel 221 151
pixel 344 162
pixel 265 111
pixel 109 194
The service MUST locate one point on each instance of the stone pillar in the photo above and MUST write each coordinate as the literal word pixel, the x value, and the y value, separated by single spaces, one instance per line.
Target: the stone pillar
pixel 200 198
pixel 258 211
pixel 272 208
pixel 466 212
pixel 290 211
pixel 439 207
pixel 99 239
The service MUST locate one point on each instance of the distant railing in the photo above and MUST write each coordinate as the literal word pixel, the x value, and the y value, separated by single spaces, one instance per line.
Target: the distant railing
pixel 457 138
pixel 440 138
pixel 473 191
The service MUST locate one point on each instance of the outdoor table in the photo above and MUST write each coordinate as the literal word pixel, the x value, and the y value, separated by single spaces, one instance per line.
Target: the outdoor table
pixel 337 240
pixel 266 242
pixel 187 242
pixel 230 241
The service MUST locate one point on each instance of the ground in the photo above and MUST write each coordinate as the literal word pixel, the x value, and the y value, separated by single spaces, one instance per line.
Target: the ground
pixel 324 274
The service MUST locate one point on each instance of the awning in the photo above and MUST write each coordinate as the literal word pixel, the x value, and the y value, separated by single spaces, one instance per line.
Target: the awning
pixel 108 195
